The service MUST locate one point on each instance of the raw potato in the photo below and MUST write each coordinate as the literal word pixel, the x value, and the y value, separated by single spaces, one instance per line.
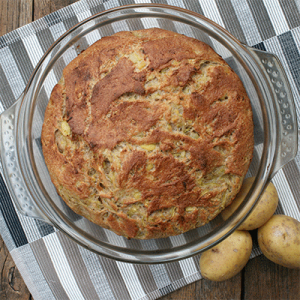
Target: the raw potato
pixel 228 258
pixel 263 210
pixel 279 241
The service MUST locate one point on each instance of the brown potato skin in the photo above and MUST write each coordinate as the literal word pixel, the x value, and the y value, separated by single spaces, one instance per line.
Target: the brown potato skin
pixel 262 212
pixel 279 241
pixel 228 258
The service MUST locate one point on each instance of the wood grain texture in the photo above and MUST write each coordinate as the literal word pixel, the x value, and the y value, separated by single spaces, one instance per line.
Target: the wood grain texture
pixel 267 280
pixel 45 7
pixel 209 290
pixel 9 15
pixel 260 279
pixel 58 4
pixel 41 8
pixel 12 286
pixel 229 289
pixel 26 10
pixel 187 292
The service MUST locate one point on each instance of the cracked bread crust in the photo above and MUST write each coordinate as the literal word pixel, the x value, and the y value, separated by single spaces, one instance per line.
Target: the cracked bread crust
pixel 149 133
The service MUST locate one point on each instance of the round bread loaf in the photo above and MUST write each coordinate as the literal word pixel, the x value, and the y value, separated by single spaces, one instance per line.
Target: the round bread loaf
pixel 148 133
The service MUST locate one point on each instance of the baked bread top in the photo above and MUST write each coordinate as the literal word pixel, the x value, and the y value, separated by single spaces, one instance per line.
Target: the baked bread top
pixel 148 133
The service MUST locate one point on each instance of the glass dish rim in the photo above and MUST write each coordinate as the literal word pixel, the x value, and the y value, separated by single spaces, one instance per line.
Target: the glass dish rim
pixel 261 173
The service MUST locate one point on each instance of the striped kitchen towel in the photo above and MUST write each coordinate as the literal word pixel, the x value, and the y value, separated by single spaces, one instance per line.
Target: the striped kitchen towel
pixel 55 267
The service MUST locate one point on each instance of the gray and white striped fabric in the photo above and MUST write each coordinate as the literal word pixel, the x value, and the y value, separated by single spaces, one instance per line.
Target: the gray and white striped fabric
pixel 52 265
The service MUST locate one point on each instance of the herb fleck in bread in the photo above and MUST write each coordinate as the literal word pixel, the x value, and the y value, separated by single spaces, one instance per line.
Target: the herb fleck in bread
pixel 148 133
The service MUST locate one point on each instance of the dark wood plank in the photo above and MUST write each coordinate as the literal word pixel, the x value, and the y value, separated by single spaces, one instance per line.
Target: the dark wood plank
pixel 209 290
pixel 41 8
pixel 45 7
pixel 58 4
pixel 267 280
pixel 14 13
pixel 26 10
pixel 187 292
pixel 229 289
pixel 8 19
pixel 12 286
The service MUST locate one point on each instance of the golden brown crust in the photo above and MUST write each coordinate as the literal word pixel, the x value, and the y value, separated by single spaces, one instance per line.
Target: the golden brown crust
pixel 149 133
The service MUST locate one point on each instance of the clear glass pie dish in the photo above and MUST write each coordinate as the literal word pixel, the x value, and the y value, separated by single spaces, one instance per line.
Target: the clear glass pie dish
pixel 22 160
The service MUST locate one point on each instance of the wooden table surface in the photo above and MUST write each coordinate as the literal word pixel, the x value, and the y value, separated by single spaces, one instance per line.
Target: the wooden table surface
pixel 260 279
